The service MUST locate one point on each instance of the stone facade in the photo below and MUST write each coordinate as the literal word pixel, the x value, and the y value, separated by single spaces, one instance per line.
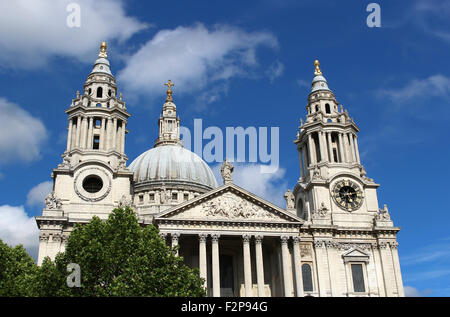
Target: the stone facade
pixel 331 240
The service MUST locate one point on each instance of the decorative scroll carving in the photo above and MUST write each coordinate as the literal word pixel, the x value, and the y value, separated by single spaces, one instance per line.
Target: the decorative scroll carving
pixel 52 201
pixel 175 237
pixel 258 239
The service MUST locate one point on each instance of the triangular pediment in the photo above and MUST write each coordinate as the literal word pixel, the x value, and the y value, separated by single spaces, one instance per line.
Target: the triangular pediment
pixel 229 203
pixel 355 254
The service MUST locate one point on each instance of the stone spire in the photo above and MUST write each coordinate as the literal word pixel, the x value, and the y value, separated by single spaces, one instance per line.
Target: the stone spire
pixel 169 123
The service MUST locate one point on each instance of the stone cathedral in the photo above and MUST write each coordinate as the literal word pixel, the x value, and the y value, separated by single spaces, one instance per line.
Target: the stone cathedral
pixel 332 239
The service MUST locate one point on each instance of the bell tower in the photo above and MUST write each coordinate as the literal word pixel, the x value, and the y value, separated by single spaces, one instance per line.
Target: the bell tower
pixel 93 178
pixel 333 187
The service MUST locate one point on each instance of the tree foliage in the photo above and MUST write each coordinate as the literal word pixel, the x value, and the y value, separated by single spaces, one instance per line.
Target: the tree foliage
pixel 117 257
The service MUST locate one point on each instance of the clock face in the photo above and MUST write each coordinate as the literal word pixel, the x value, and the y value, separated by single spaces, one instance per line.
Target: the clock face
pixel 347 195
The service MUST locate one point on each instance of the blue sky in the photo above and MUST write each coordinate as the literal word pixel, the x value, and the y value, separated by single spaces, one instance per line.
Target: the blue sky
pixel 250 64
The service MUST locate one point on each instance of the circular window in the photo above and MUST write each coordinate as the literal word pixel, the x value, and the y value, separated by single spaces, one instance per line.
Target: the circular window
pixel 92 184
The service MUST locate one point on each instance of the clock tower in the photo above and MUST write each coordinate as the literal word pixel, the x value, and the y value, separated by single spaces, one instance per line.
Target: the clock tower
pixel 333 187
pixel 354 242
pixel 93 178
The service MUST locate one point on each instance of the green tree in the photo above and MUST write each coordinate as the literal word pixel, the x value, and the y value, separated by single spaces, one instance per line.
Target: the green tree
pixel 118 257
pixel 17 270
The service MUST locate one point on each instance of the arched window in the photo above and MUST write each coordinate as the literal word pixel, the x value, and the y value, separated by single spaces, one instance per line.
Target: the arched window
pixel 99 92
pixel 317 108
pixel 89 91
pixel 307 278
pixel 109 92
pixel 327 108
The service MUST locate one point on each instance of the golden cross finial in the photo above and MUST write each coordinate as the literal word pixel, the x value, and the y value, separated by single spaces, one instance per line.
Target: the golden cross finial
pixel 103 50
pixel 169 84
pixel 317 64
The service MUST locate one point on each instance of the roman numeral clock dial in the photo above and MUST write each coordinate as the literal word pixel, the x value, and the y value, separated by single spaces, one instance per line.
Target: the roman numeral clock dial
pixel 347 195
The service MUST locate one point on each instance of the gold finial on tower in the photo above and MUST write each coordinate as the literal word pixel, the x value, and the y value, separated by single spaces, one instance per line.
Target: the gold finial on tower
pixel 169 84
pixel 317 64
pixel 103 50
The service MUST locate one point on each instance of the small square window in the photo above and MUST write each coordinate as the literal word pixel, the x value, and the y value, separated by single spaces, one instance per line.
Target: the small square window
pixel 186 197
pixel 175 196
pixel 152 197
pixel 141 199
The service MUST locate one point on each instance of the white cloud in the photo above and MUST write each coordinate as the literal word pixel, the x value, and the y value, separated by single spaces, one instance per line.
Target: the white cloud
pixel 303 83
pixel 193 57
pixel 275 70
pixel 270 186
pixel 32 31
pixel 436 85
pixel 37 194
pixel 17 228
pixel 411 291
pixel 21 135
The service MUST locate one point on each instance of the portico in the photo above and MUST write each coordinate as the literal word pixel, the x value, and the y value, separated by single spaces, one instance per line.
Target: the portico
pixel 226 235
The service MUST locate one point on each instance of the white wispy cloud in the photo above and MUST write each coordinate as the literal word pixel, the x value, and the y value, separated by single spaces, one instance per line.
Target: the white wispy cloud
pixel 32 31
pixel 21 135
pixel 193 57
pixel 17 228
pixel 270 186
pixel 275 70
pixel 37 194
pixel 436 85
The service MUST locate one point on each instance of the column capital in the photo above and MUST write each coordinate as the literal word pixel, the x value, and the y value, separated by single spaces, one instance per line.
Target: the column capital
pixel 258 238
pixel 215 237
pixel 284 239
pixel 246 238
pixel 163 235
pixel 296 239
pixel 202 237
pixel 175 236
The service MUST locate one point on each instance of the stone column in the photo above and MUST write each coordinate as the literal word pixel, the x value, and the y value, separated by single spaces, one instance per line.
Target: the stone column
pixel 114 135
pixel 287 274
pixel 69 134
pixel 342 149
pixel 202 261
pixel 215 265
pixel 352 148
pixel 300 154
pixel 298 267
pixel 355 140
pixel 247 266
pixel 175 237
pixel 84 128
pixel 108 134
pixel 77 135
pixel 122 142
pixel 102 135
pixel 323 147
pixel 259 265
pixel 90 133
pixel 330 147
pixel 311 150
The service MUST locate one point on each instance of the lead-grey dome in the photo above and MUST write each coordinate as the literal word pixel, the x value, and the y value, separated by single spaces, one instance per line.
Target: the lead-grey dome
pixel 172 163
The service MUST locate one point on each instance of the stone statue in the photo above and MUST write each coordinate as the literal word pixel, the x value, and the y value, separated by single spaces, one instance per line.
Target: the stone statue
pixel 124 202
pixel 227 172
pixel 52 202
pixel 289 196
pixel 384 214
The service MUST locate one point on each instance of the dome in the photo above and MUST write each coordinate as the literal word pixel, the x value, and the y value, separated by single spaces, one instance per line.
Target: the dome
pixel 172 164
